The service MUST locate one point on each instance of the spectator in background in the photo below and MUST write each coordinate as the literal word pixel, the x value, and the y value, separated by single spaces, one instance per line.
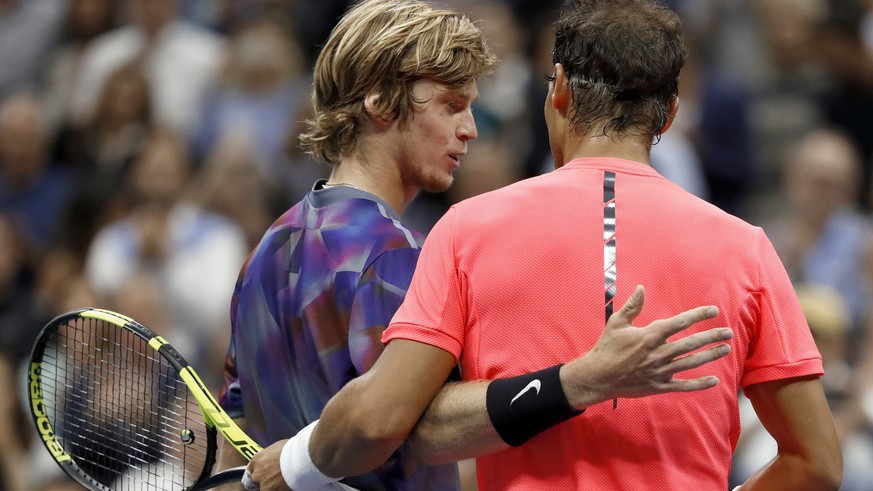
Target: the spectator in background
pixel 312 22
pixel 18 308
pixel 102 150
pixel 122 119
pixel 230 183
pixel 502 108
pixel 259 96
pixel 785 88
pixel 17 305
pixel 85 20
pixel 180 60
pixel 848 102
pixel 309 21
pixel 867 25
pixel 193 254
pixel 29 30
pixel 538 158
pixel 819 233
pixel 33 192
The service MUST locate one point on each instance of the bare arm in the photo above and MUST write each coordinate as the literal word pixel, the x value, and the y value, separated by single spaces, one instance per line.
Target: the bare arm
pixel 374 414
pixel 626 362
pixel 796 414
pixel 13 451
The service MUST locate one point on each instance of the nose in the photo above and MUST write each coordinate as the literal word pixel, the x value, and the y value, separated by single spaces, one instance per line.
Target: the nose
pixel 467 127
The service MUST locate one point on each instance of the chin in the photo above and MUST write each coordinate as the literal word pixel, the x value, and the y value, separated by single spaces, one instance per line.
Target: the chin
pixel 438 184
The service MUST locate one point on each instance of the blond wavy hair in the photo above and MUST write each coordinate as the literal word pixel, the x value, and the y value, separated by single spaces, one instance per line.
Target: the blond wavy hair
pixel 387 45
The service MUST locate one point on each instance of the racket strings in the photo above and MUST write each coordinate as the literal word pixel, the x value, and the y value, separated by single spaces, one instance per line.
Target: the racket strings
pixel 120 409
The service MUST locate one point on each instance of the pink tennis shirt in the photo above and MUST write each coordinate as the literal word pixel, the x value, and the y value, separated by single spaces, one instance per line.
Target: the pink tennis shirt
pixel 522 278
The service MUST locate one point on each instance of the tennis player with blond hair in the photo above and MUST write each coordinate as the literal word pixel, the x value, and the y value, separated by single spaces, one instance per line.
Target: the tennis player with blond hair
pixel 392 93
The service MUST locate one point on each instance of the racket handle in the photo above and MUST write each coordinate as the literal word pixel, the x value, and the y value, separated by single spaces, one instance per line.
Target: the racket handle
pixel 346 487
pixel 234 474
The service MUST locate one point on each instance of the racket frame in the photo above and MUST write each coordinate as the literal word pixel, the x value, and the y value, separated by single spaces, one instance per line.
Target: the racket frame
pixel 215 418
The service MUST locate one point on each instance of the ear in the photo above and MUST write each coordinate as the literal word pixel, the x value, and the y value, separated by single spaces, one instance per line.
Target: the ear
pixel 371 102
pixel 561 93
pixel 672 108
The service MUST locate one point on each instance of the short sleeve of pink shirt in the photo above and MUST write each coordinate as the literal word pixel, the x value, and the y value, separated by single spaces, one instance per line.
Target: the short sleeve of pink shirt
pixel 433 311
pixel 781 346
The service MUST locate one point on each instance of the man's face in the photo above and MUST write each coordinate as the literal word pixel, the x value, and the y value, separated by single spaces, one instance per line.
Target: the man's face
pixel 21 144
pixel 435 137
pixel 821 180
pixel 160 172
pixel 154 14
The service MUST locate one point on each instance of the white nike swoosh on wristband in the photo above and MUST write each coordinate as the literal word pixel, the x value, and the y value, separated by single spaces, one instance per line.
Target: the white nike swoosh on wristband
pixel 534 384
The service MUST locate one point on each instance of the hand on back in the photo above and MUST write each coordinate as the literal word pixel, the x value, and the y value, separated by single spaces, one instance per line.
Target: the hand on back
pixel 629 361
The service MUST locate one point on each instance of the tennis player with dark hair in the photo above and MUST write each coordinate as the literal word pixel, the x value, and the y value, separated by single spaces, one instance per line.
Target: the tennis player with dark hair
pixel 511 283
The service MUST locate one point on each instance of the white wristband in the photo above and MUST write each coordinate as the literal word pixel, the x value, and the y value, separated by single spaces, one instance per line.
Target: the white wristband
pixel 298 470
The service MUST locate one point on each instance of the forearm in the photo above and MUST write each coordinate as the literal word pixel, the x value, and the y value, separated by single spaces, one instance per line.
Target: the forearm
pixel 789 473
pixel 474 418
pixel 13 461
pixel 350 438
pixel 13 471
pixel 795 412
pixel 456 425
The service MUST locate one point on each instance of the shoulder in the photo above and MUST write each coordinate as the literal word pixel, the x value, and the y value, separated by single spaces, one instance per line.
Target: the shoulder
pixel 184 37
pixel 118 43
pixel 496 208
pixel 375 222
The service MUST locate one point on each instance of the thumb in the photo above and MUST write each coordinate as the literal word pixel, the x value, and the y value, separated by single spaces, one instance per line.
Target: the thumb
pixel 631 308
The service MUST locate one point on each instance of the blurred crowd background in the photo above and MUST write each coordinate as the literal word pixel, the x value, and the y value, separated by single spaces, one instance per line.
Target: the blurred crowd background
pixel 146 144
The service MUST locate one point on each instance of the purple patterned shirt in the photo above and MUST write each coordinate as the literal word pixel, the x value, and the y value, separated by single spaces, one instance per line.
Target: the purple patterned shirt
pixel 308 312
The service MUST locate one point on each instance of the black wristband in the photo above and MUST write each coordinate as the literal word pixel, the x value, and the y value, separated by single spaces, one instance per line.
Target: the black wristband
pixel 522 407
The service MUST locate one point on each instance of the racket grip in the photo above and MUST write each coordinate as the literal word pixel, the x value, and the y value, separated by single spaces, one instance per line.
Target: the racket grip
pixel 234 474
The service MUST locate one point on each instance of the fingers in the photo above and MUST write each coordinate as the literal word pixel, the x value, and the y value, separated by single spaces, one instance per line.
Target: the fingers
pixel 631 308
pixel 668 327
pixel 691 385
pixel 247 481
pixel 695 341
pixel 697 359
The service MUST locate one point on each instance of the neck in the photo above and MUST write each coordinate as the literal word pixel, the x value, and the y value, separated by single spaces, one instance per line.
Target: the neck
pixel 634 148
pixel 374 178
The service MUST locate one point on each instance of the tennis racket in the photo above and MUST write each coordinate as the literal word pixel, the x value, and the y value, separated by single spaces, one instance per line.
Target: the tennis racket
pixel 119 409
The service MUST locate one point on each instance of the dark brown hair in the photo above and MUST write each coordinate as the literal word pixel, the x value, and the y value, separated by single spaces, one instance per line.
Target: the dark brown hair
pixel 622 59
